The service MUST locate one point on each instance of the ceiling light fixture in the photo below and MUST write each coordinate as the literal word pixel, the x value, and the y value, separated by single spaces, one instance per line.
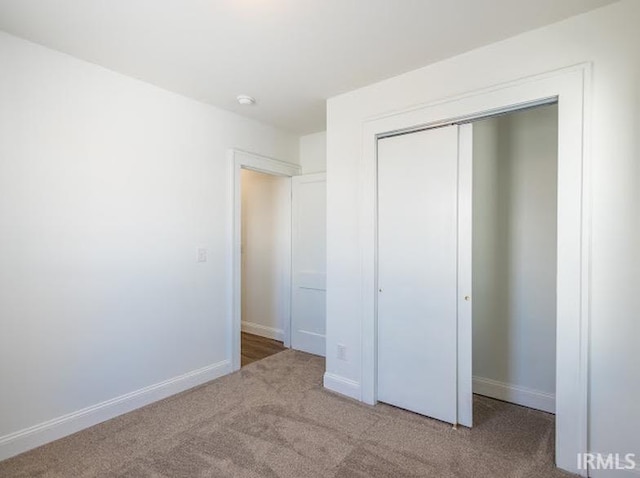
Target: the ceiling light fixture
pixel 245 99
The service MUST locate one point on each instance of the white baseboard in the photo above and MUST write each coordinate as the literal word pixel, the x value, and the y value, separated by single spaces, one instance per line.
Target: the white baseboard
pixel 342 385
pixel 515 394
pixel 37 435
pixel 310 342
pixel 263 331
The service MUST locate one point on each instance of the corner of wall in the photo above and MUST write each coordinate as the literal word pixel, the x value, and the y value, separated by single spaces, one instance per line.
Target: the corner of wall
pixel 313 152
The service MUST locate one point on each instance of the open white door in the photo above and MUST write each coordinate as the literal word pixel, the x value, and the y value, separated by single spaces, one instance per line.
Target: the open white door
pixel 309 253
pixel 418 298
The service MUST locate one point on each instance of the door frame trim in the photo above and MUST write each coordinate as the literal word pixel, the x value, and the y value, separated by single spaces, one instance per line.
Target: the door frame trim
pixel 239 159
pixel 569 87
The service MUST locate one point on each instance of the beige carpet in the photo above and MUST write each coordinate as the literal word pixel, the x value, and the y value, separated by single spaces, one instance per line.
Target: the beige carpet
pixel 273 419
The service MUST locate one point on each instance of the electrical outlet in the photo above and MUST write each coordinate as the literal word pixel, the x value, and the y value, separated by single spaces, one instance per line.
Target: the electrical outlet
pixel 202 255
pixel 342 352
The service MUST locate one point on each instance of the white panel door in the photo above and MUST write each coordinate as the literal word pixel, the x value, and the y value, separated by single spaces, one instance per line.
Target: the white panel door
pixel 309 263
pixel 417 272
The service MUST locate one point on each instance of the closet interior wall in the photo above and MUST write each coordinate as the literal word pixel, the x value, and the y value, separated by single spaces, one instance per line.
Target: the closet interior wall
pixel 514 256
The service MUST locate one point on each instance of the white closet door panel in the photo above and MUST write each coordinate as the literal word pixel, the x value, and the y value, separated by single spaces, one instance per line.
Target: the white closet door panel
pixel 417 271
pixel 308 309
pixel 465 275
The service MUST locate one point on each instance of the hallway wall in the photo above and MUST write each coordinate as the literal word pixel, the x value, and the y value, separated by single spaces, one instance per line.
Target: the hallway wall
pixel 266 236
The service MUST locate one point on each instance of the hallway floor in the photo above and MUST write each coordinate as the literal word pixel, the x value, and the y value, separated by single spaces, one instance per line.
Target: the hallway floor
pixel 253 348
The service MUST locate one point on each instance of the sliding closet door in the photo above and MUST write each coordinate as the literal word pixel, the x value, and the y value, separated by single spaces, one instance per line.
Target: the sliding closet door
pixel 417 271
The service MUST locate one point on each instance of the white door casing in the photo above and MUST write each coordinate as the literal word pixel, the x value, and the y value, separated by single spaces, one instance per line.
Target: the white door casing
pixel 239 160
pixel 567 87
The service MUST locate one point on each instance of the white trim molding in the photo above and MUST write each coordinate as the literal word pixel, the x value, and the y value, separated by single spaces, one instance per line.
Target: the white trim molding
pixel 515 394
pixel 239 160
pixel 263 330
pixel 570 87
pixel 37 435
pixel 342 385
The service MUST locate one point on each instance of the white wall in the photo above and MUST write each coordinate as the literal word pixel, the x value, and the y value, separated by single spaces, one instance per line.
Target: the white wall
pixel 514 256
pixel 266 236
pixel 313 153
pixel 108 186
pixel 609 38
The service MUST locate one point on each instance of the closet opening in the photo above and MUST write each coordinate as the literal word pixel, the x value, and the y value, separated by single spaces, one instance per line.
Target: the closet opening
pixel 467 240
pixel 417 268
pixel 514 259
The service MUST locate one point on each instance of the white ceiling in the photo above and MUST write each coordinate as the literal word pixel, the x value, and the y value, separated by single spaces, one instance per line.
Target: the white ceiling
pixel 290 54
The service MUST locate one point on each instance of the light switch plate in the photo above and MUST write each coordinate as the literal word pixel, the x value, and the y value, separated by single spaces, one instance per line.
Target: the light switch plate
pixel 341 352
pixel 202 254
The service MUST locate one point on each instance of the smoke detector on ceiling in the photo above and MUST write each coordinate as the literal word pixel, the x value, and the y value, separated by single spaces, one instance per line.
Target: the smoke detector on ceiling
pixel 245 99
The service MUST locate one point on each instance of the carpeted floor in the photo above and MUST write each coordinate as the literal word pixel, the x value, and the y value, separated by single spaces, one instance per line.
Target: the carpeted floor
pixel 274 419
